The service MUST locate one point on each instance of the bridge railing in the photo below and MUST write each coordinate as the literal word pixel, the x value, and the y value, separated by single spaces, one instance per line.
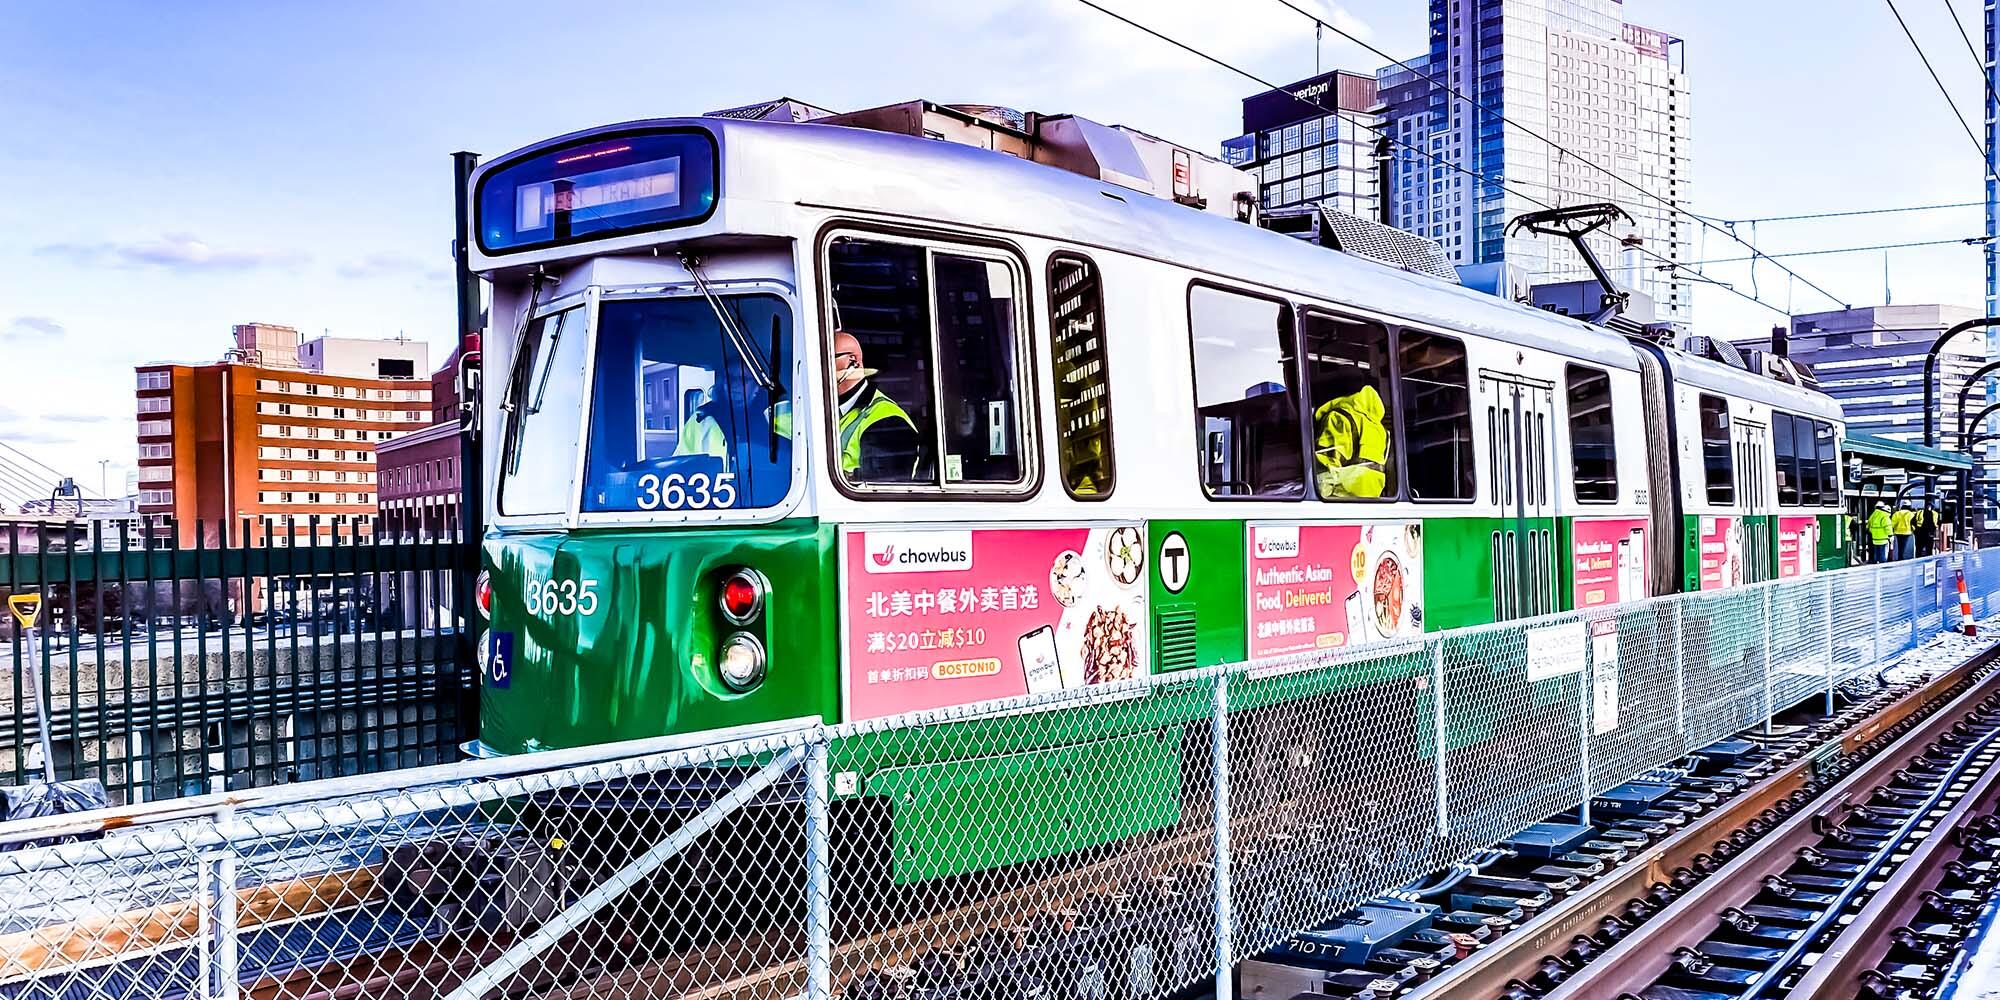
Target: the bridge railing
pixel 176 658
pixel 1124 839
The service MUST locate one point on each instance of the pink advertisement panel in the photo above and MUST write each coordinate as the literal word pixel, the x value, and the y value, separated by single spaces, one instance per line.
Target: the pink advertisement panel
pixel 1324 586
pixel 950 617
pixel 1607 561
pixel 1798 545
pixel 1721 543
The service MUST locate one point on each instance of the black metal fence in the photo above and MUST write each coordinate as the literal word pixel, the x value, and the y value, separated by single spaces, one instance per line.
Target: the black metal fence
pixel 177 659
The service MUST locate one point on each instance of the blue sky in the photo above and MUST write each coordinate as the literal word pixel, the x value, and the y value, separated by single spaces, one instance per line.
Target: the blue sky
pixel 173 169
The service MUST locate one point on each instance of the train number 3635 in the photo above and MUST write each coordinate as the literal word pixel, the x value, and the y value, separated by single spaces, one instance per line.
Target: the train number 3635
pixel 549 598
pixel 692 492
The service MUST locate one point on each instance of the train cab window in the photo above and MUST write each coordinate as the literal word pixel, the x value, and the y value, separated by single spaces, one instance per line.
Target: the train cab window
pixel 1808 461
pixel 1593 460
pixel 681 416
pixel 924 358
pixel 545 414
pixel 1784 453
pixel 1829 464
pixel 1082 379
pixel 1437 416
pixel 1718 462
pixel 1245 402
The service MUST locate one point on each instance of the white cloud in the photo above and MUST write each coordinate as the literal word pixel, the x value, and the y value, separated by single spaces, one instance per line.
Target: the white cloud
pixel 389 265
pixel 172 252
pixel 31 328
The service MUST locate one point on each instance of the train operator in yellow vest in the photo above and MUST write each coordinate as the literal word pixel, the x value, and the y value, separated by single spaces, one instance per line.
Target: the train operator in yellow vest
pixel 1351 446
pixel 878 440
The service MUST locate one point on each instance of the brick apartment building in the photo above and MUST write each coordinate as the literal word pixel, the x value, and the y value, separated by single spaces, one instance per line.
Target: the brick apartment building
pixel 278 432
pixel 418 474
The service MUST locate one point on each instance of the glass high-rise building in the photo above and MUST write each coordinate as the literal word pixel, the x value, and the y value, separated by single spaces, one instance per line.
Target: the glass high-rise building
pixel 1304 153
pixel 1572 71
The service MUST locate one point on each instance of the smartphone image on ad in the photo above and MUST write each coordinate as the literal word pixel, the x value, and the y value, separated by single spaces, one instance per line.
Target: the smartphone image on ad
pixel 1038 661
pixel 1357 619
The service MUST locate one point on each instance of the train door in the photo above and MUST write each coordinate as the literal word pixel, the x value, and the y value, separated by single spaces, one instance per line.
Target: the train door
pixel 1518 414
pixel 1754 475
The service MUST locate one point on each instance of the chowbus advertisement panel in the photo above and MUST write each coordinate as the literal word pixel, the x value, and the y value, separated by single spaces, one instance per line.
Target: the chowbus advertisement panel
pixel 1325 586
pixel 1721 543
pixel 1607 561
pixel 1798 545
pixel 950 617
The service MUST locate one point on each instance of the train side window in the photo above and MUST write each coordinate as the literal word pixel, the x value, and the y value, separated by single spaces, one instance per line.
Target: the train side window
pixel 1246 403
pixel 1437 416
pixel 1786 457
pixel 977 371
pixel 1082 378
pixel 1718 462
pixel 1808 461
pixel 1353 440
pixel 925 358
pixel 1593 459
pixel 1829 464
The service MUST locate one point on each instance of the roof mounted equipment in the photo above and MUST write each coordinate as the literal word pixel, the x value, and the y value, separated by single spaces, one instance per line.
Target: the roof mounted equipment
pixel 1573 224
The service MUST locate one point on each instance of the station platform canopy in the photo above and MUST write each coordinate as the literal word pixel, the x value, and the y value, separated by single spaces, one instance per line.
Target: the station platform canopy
pixel 1883 454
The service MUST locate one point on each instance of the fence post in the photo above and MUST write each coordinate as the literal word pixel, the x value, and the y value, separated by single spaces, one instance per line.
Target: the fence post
pixel 219 871
pixel 1584 682
pixel 1875 619
pixel 819 874
pixel 1437 733
pixel 1219 776
pixel 1768 665
pixel 1680 673
pixel 1829 646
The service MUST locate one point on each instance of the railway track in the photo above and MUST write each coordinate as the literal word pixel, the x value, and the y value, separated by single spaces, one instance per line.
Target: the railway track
pixel 1817 906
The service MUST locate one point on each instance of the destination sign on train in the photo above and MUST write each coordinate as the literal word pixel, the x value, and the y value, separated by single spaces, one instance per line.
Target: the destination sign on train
pixel 606 187
pixel 641 187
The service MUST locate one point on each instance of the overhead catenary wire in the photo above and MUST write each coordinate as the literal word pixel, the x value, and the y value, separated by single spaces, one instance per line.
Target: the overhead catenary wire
pixel 1971 49
pixel 1828 251
pixel 1842 214
pixel 1385 134
pixel 1670 205
pixel 1942 89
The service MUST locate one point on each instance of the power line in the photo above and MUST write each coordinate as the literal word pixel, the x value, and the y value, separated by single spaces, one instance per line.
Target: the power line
pixel 1845 214
pixel 1971 49
pixel 1385 134
pixel 1502 116
pixel 1967 241
pixel 1969 134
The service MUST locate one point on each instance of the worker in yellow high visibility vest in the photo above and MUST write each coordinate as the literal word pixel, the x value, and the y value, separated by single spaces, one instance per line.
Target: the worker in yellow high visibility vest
pixel 1878 533
pixel 878 440
pixel 1904 523
pixel 1351 447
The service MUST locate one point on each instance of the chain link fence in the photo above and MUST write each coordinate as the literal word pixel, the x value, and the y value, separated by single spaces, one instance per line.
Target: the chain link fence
pixel 1122 841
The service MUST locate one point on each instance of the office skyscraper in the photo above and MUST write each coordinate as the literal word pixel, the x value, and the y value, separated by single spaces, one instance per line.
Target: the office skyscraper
pixel 1612 95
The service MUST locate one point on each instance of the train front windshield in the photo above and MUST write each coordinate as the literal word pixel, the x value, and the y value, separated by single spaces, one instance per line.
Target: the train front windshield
pixel 687 415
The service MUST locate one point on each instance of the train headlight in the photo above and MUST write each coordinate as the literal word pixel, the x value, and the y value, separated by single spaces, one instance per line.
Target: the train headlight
pixel 482 590
pixel 742 595
pixel 742 661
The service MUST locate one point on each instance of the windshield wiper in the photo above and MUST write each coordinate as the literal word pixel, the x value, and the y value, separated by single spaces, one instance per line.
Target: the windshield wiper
pixel 517 380
pixel 751 359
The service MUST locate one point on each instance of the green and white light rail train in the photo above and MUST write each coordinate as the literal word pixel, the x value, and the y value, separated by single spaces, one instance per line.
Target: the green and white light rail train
pixel 1115 448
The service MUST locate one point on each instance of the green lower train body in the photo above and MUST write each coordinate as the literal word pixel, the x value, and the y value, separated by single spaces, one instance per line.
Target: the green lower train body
pixel 608 635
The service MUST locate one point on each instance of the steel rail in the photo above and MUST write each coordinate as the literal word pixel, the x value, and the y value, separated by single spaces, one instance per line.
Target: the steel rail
pixel 1519 954
pixel 1646 954
pixel 1866 941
